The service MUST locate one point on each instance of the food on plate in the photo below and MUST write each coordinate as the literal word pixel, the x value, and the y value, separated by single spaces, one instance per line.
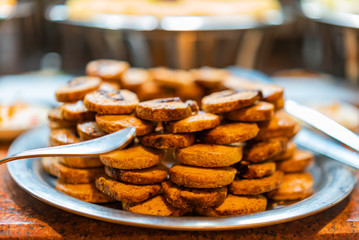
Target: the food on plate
pixel 183 160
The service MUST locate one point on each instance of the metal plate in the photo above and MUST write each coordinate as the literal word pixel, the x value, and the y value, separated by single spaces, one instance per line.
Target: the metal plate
pixel 333 182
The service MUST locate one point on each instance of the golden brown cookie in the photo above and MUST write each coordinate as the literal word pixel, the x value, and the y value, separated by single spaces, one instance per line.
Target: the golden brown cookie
pixel 297 163
pixel 279 103
pixel 134 157
pixel 188 198
pixel 258 170
pixel 236 205
pixel 150 90
pixel 230 133
pixel 197 177
pixel 289 151
pixel 111 101
pixel 109 86
pixel 114 123
pixel 280 125
pixel 260 111
pixel 209 77
pixel 228 100
pixel 168 78
pixel 168 140
pixel 125 191
pixel 194 123
pixel 71 175
pixel 77 88
pixel 144 176
pixel 205 155
pixel 86 192
pixel 81 162
pixel 106 69
pixel 63 136
pixel 76 112
pixel 56 119
pixel 256 186
pixel 190 91
pixel 294 186
pixel 89 130
pixel 157 206
pixel 165 109
pixel 261 151
pixel 133 78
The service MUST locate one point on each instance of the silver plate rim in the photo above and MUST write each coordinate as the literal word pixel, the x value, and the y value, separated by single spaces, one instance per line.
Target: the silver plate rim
pixel 340 180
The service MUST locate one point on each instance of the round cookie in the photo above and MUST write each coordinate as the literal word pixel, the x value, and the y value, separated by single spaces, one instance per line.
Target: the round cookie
pixel 151 175
pixel 256 186
pixel 86 192
pixel 106 69
pixel 125 191
pixel 208 77
pixel 205 155
pixel 157 206
pixel 258 170
pixel 194 123
pixel 165 109
pixel 187 198
pixel 260 111
pixel 297 163
pixel 76 112
pixel 230 133
pixel 111 101
pixel 114 123
pixel 287 153
pixel 168 140
pixel 63 136
pixel 70 175
pixel 134 157
pixel 294 186
pixel 169 78
pixel 133 78
pixel 81 162
pixel 56 119
pixel 77 88
pixel 261 151
pixel 228 100
pixel 89 130
pixel 236 205
pixel 197 177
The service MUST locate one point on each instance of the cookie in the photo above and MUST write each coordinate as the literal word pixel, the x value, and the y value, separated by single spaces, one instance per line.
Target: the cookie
pixel 157 206
pixel 111 101
pixel 256 186
pixel 70 175
pixel 168 140
pixel 236 205
pixel 294 186
pixel 279 104
pixel 205 155
pixel 188 198
pixel 150 90
pixel 134 157
pixel 114 123
pixel 76 112
pixel 194 123
pixel 260 111
pixel 89 130
pixel 126 192
pixel 190 91
pixel 77 88
pixel 81 162
pixel 230 133
pixel 150 175
pixel 63 136
pixel 258 170
pixel 86 192
pixel 166 109
pixel 133 78
pixel 229 100
pixel 169 78
pixel 106 69
pixel 297 163
pixel 280 125
pixel 109 86
pixel 261 151
pixel 56 119
pixel 287 153
pixel 197 177
pixel 208 77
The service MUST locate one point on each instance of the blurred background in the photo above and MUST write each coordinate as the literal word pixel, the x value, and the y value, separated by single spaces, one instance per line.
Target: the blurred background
pixel 311 47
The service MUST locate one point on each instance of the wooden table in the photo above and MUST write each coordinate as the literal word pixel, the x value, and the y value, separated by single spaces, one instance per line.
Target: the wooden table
pixel 24 217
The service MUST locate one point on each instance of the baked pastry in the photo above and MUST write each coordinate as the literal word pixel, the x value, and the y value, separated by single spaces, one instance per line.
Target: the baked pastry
pixel 81 162
pixel 260 111
pixel 168 140
pixel 106 69
pixel 77 88
pixel 263 150
pixel 63 136
pixel 76 112
pixel 287 153
pixel 297 163
pixel 89 130
pixel 257 170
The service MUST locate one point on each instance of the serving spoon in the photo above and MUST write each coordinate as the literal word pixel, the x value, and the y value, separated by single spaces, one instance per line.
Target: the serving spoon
pixel 92 147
